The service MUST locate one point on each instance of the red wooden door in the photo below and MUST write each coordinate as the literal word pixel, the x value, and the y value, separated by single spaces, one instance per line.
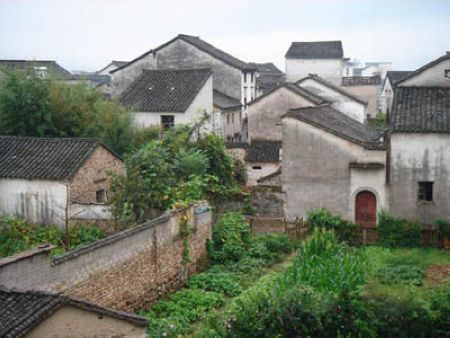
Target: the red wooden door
pixel 366 209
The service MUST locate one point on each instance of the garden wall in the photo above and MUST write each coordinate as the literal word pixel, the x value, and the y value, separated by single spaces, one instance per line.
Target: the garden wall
pixel 126 271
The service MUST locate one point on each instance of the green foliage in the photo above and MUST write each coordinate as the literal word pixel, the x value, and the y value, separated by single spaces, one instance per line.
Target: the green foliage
pixel 142 136
pixel 192 162
pixel 240 172
pixel 378 122
pixel 406 274
pixel 398 232
pixel 322 218
pixel 32 106
pixel 17 235
pixel 171 317
pixel 218 281
pixel 231 238
pixel 443 225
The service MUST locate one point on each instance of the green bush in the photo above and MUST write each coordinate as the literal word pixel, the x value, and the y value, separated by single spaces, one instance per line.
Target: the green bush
pixel 230 238
pixel 443 226
pixel 398 232
pixel 406 274
pixel 322 218
pixel 218 281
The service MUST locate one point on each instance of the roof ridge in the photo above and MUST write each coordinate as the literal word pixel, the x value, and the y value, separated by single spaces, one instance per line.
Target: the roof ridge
pixel 177 70
pixel 51 138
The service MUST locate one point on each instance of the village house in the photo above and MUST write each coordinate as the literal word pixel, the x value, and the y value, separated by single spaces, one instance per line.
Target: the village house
pixel 232 76
pixel 113 65
pixel 169 97
pixel 368 89
pixel 267 78
pixel 263 158
pixel 341 99
pixel 55 181
pixel 230 112
pixel 324 58
pixel 43 68
pixel 39 314
pixel 333 161
pixel 419 148
pixel 264 113
pixel 387 89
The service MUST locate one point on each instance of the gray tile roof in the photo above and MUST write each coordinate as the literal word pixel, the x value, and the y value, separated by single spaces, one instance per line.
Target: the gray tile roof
pixel 115 63
pixel 421 110
pixel 44 158
pixel 305 93
pixel 224 101
pixel 263 151
pixel 269 76
pixel 203 46
pixel 315 50
pixel 444 57
pixel 396 75
pixel 51 66
pixel 361 81
pixel 21 311
pixel 335 122
pixel 165 90
pixel 331 86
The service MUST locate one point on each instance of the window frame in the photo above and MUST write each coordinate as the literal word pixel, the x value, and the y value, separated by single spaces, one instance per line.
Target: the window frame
pixel 167 125
pixel 425 191
pixel 104 196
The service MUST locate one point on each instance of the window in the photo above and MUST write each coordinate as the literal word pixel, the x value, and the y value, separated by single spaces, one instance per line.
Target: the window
pixel 257 167
pixel 167 121
pixel 425 192
pixel 232 118
pixel 100 196
pixel 252 76
pixel 228 118
pixel 447 74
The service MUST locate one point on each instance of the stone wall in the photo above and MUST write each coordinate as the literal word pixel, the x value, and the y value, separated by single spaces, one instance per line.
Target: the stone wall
pixel 93 175
pixel 127 271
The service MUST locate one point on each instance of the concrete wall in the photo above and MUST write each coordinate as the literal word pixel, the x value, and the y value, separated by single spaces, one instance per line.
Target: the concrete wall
pixel 369 94
pixel 255 174
pixel 126 271
pixel 316 171
pixel 38 201
pixel 182 55
pixel 232 125
pixel 94 175
pixel 330 70
pixel 203 102
pixel 414 158
pixel 431 77
pixel 264 115
pixel 340 102
pixel 70 321
pixel 122 78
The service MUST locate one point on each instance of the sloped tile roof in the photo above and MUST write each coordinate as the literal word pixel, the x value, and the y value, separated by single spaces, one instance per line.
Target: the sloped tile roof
pixel 335 122
pixel 315 50
pixel 421 110
pixel 51 66
pixel 43 158
pixel 224 101
pixel 331 86
pixel 396 75
pixel 118 64
pixel 269 76
pixel 264 151
pixel 165 90
pixel 21 311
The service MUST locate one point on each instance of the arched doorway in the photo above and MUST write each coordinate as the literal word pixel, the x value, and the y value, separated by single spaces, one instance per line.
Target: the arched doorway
pixel 366 209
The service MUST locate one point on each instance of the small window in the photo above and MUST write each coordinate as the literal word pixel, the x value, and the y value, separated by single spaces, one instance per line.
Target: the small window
pixel 100 196
pixel 447 74
pixel 252 76
pixel 232 118
pixel 425 193
pixel 167 122
pixel 257 167
pixel 228 118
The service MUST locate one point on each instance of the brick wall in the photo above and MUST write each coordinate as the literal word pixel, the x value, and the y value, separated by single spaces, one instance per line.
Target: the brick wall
pixel 93 175
pixel 126 271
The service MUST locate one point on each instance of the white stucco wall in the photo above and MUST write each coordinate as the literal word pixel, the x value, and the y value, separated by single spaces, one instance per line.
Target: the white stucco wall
pixel 255 174
pixel 39 202
pixel 431 77
pixel 320 176
pixel 342 103
pixel 203 102
pixel 387 97
pixel 330 70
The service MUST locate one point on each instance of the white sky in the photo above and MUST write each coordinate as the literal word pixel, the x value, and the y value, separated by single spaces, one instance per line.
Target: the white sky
pixel 87 34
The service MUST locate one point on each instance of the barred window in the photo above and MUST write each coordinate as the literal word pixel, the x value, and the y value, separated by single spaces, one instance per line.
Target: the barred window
pixel 425 192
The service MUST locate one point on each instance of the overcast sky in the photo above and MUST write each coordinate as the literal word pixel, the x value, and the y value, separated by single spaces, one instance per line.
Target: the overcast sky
pixel 87 34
